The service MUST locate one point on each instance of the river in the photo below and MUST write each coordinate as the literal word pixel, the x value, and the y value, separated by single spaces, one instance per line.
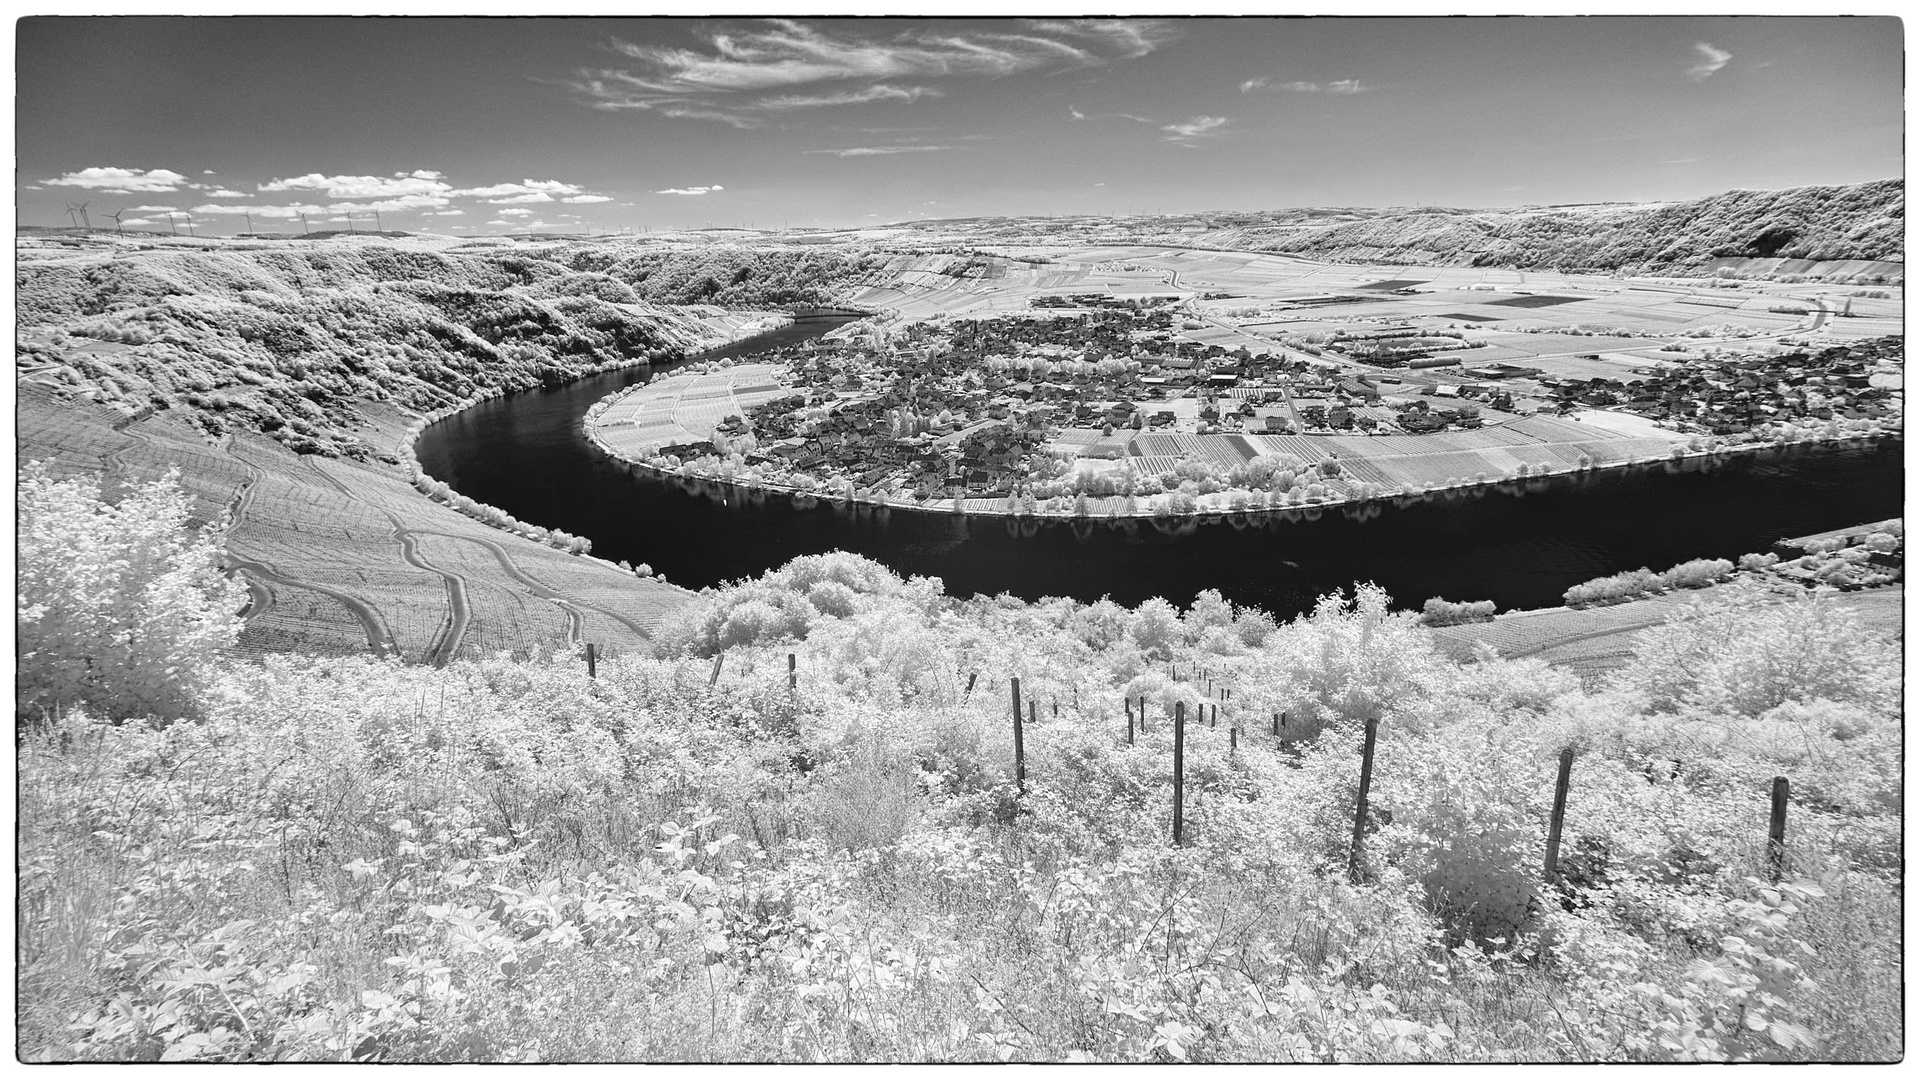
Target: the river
pixel 1520 545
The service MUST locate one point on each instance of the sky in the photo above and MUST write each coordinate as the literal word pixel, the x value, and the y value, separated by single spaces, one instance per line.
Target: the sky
pixel 487 126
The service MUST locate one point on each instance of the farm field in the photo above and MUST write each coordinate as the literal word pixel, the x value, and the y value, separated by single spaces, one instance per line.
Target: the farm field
pixel 320 540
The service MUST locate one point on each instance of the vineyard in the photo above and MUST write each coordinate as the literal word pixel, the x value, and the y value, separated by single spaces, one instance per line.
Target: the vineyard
pixel 326 540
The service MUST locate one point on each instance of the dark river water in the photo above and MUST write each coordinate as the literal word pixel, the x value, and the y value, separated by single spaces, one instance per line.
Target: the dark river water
pixel 1520 546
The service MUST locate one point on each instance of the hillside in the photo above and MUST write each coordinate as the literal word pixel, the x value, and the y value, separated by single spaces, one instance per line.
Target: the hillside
pixel 1853 232
pixel 1862 221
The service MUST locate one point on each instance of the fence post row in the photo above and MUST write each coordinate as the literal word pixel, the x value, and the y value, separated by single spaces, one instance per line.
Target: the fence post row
pixel 1019 743
pixel 1552 870
pixel 1179 771
pixel 590 658
pixel 1354 855
pixel 1128 703
pixel 1777 828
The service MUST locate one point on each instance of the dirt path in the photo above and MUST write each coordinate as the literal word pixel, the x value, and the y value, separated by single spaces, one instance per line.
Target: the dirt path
pixel 573 608
pixel 454 633
pixel 378 638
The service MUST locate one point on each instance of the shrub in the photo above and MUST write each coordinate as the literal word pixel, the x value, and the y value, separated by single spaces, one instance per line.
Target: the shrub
pixel 121 608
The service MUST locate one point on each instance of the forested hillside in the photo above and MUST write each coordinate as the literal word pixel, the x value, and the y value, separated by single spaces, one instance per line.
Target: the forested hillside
pixel 799 832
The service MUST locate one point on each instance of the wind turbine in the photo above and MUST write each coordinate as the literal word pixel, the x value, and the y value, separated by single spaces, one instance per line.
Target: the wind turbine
pixel 190 231
pixel 303 222
pixel 173 224
pixel 81 209
pixel 377 227
pixel 116 222
pixel 249 218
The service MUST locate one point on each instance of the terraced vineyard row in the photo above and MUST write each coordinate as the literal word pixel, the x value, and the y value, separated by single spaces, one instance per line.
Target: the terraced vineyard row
pixel 305 528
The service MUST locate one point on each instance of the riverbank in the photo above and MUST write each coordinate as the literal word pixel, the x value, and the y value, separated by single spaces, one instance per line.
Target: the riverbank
pixel 731 328
pixel 636 432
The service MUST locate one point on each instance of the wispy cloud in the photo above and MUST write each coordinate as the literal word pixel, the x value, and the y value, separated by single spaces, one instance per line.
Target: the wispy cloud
pixel 1337 86
pixel 880 151
pixel 733 75
pixel 877 92
pixel 1678 161
pixel 114 179
pixel 1711 60
pixel 1193 128
pixel 689 190
pixel 528 197
pixel 587 198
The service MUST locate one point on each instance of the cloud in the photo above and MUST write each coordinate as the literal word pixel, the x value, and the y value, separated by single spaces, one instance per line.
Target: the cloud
pixel 524 187
pixel 289 211
pixel 1100 183
pixel 879 151
pixel 516 212
pixel 1678 161
pixel 223 193
pixel 136 221
pixel 587 198
pixel 446 213
pixel 117 179
pixel 529 197
pixel 1337 86
pixel 733 74
pixel 152 209
pixel 876 92
pixel 389 206
pixel 689 190
pixel 1711 60
pixel 421 182
pixel 1193 127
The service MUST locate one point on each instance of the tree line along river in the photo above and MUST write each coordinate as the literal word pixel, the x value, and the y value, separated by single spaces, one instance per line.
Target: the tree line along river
pixel 1520 545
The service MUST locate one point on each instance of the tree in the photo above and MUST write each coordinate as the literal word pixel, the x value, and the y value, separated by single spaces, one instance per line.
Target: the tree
pixel 120 608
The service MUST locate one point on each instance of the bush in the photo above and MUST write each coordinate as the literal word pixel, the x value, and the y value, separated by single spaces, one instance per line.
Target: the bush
pixel 1438 612
pixel 121 608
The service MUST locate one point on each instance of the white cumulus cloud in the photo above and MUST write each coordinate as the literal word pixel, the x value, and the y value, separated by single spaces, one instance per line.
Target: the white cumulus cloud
pixel 420 182
pixel 117 179
pixel 689 190
pixel 587 198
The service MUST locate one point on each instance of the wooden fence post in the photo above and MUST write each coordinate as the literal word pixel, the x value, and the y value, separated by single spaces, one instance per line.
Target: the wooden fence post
pixel 1777 828
pixel 1355 855
pixel 793 674
pixel 1019 743
pixel 1179 771
pixel 1143 714
pixel 1552 869
pixel 1233 739
pixel 1128 702
pixel 590 659
pixel 969 690
pixel 1276 725
pixel 715 677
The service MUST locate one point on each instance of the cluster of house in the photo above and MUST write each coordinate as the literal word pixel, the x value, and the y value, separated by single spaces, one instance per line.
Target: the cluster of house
pixel 1728 397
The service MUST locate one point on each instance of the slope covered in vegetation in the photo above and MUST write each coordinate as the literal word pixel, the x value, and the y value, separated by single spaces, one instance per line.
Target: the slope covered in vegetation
pixel 286 342
pixel 1861 221
pixel 689 858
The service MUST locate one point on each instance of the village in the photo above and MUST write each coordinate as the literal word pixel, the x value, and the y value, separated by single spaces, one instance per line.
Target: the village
pixel 1082 400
